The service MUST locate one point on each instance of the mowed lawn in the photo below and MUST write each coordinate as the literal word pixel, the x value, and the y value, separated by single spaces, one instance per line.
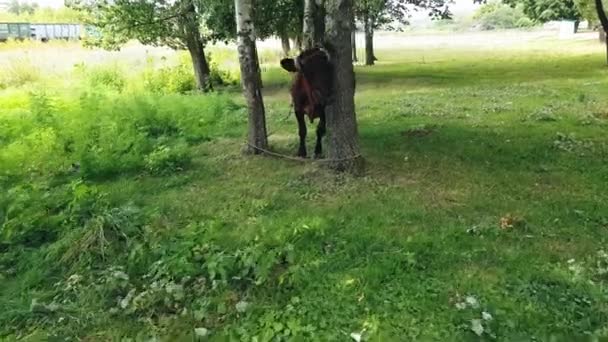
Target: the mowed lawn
pixel 483 213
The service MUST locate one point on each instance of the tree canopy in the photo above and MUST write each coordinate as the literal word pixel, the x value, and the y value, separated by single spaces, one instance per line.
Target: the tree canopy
pixel 150 22
pixel 387 12
pixel 32 13
pixel 271 17
pixel 547 10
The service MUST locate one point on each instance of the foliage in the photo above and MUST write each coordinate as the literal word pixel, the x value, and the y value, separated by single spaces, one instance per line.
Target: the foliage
pixel 178 78
pixel 166 159
pixel 17 8
pixel 107 76
pixel 105 135
pixel 547 10
pixel 496 15
pixel 271 17
pixel 150 22
pixel 587 10
pixel 18 73
pixel 390 12
pixel 169 79
pixel 44 15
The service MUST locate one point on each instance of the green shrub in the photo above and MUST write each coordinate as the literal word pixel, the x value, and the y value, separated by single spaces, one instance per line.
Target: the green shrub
pixel 106 76
pixel 170 79
pixel 524 23
pixel 29 215
pixel 496 15
pixel 167 159
pixel 108 135
pixel 18 73
pixel 179 78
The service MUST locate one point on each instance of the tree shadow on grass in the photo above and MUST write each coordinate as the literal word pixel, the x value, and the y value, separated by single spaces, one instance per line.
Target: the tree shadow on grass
pixel 460 73
pixel 471 73
pixel 486 149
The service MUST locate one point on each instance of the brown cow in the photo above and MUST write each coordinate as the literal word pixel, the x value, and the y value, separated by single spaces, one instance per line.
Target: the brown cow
pixel 310 92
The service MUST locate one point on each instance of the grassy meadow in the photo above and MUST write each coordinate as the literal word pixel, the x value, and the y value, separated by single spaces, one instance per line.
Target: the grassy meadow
pixel 128 211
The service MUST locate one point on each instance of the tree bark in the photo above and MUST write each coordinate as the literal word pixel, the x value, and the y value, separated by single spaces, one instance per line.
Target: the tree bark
pixel 202 74
pixel 603 20
pixel 308 29
pixel 606 42
pixel 313 29
pixel 251 78
pixel 319 30
pixel 285 45
pixel 194 43
pixel 353 42
pixel 370 58
pixel 602 35
pixel 343 144
pixel 297 42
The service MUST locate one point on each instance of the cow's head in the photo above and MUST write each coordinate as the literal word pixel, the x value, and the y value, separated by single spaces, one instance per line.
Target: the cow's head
pixel 316 68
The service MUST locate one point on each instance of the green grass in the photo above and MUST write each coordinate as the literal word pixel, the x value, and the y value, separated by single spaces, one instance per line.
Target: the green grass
pixel 454 142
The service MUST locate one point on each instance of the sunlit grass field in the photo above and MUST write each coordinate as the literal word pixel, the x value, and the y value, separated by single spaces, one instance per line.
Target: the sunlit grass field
pixel 129 211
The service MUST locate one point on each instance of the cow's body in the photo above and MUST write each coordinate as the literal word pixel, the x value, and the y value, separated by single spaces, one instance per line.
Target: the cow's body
pixel 310 92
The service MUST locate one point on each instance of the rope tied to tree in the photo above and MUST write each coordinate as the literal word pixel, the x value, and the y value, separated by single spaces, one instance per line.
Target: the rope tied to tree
pixel 298 159
pixel 302 160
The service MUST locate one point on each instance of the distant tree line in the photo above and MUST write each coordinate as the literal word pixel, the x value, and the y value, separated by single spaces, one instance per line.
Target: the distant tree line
pixel 22 11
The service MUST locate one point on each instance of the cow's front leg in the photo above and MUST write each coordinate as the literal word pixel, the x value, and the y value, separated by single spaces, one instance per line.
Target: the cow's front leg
pixel 302 133
pixel 320 132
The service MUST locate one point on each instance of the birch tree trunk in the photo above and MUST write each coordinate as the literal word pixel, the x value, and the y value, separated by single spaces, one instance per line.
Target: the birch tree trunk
pixel 251 79
pixel 297 42
pixel 285 45
pixel 343 144
pixel 308 29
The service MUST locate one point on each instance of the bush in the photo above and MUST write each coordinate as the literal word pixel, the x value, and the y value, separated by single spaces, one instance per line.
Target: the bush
pixel 496 15
pixel 180 78
pixel 107 135
pixel 19 73
pixel 167 159
pixel 107 76
pixel 169 79
pixel 524 23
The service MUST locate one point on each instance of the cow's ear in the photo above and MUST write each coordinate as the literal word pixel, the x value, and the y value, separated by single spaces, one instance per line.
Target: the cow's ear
pixel 289 64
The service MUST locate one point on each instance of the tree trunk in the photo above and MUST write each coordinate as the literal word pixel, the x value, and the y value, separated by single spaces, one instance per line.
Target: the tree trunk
pixel 298 43
pixel 343 144
pixel 201 67
pixel 251 78
pixel 195 46
pixel 606 42
pixel 319 30
pixel 603 20
pixel 285 45
pixel 353 42
pixel 370 58
pixel 602 35
pixel 308 29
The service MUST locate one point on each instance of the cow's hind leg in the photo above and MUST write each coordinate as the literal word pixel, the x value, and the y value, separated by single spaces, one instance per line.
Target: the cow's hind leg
pixel 320 132
pixel 302 133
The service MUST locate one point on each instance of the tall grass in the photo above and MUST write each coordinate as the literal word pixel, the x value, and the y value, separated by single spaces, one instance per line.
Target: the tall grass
pixel 106 134
pixel 19 72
